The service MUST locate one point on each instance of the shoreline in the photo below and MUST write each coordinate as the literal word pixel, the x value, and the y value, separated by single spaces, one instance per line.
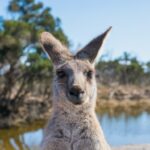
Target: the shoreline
pixel 35 109
pixel 133 147
pixel 128 107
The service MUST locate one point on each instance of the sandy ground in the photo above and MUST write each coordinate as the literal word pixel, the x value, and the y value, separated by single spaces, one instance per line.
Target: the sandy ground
pixel 127 147
pixel 133 147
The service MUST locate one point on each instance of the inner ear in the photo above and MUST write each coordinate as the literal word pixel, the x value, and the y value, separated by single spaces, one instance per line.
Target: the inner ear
pixel 58 53
pixel 90 51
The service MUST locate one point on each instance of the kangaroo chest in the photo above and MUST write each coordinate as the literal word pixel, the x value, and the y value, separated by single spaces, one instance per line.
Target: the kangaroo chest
pixel 76 133
pixel 77 136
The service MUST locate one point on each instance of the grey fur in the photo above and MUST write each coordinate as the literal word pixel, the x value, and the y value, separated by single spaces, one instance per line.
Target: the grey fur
pixel 73 124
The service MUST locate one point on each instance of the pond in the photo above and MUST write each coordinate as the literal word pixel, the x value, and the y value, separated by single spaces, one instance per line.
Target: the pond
pixel 119 130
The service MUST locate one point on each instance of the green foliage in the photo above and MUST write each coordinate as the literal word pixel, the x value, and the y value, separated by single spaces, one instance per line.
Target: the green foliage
pixel 39 17
pixel 148 67
pixel 19 47
pixel 36 64
pixel 125 70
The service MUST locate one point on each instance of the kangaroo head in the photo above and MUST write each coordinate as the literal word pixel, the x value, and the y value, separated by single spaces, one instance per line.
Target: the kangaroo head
pixel 74 81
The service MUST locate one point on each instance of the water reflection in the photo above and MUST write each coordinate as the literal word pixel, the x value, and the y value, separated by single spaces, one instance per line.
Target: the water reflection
pixel 126 129
pixel 119 130
pixel 21 138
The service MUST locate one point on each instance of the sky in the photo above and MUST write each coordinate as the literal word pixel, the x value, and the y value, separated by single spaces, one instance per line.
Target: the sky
pixel 86 19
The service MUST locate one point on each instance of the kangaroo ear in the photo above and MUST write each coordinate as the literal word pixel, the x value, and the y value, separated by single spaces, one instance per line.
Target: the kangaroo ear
pixel 58 53
pixel 90 51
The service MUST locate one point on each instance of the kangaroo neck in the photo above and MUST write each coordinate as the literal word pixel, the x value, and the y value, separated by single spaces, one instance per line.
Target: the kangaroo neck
pixel 73 110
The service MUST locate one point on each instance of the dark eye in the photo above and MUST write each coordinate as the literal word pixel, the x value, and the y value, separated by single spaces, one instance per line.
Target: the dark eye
pixel 61 74
pixel 89 74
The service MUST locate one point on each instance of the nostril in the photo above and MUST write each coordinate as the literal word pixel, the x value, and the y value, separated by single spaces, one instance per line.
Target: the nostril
pixel 76 91
pixel 82 92
pixel 71 92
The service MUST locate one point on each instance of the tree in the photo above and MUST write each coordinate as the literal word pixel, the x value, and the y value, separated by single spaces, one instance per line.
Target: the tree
pixel 125 60
pixel 124 70
pixel 148 67
pixel 21 58
pixel 135 71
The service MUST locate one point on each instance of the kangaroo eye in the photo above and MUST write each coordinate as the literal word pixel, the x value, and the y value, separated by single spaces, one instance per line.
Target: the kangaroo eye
pixel 61 74
pixel 88 74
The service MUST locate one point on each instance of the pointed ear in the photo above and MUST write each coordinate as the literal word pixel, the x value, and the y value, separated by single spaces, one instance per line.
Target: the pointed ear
pixel 90 51
pixel 58 53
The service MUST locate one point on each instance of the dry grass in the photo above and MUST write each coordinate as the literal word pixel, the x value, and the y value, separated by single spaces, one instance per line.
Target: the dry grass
pixel 115 107
pixel 128 99
pixel 122 92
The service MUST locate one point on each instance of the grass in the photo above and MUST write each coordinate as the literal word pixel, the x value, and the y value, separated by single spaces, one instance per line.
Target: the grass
pixel 116 107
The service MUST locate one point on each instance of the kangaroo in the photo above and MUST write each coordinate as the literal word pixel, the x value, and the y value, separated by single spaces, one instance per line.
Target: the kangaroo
pixel 73 124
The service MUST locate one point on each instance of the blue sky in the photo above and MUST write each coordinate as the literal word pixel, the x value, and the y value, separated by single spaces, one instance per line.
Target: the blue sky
pixel 83 20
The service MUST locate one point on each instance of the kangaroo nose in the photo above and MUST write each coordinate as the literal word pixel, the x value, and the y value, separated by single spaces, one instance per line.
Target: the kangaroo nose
pixel 76 91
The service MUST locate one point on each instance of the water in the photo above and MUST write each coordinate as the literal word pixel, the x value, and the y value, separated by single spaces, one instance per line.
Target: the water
pixel 124 129
pixel 119 130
